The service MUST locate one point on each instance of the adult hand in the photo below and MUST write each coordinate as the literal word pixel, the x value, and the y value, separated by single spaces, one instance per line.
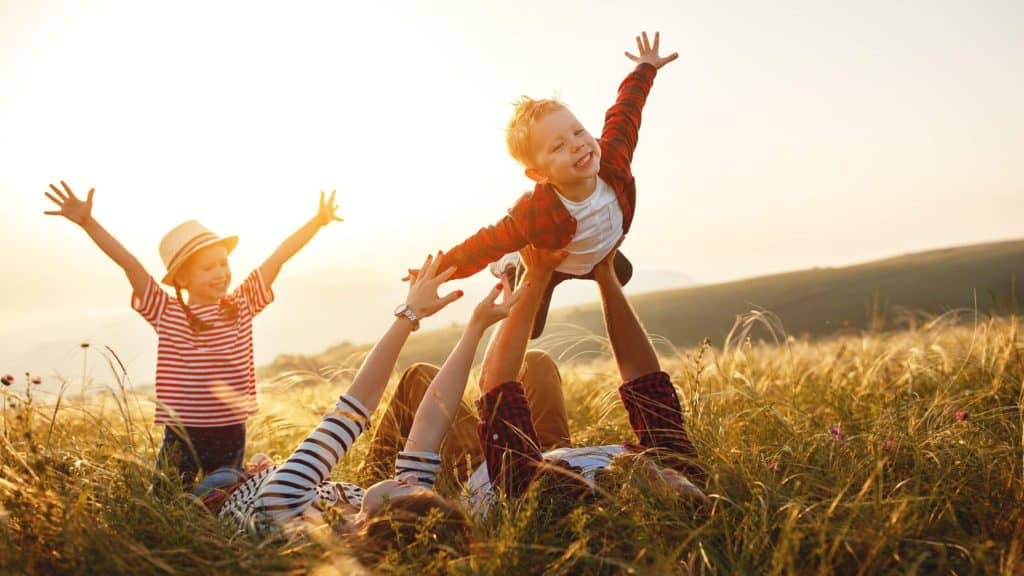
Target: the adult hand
pixel 648 53
pixel 605 269
pixel 422 298
pixel 541 263
pixel 78 211
pixel 488 311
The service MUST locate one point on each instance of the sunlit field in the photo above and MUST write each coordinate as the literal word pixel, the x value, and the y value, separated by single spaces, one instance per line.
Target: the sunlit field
pixel 881 453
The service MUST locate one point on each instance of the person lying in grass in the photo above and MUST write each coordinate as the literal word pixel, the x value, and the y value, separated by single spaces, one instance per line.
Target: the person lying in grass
pixel 298 494
pixel 521 425
pixel 663 457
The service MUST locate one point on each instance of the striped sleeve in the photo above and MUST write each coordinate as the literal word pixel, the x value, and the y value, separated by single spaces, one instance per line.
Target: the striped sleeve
pixel 292 488
pixel 151 304
pixel 423 465
pixel 255 292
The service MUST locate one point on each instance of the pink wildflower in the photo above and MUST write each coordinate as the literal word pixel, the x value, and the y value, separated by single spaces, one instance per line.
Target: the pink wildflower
pixel 888 445
pixel 961 415
pixel 37 380
pixel 838 435
pixel 7 380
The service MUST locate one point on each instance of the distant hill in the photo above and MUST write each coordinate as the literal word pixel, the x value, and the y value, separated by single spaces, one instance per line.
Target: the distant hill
pixel 884 294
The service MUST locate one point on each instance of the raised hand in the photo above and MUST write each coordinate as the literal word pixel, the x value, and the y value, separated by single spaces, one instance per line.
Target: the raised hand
pixel 648 53
pixel 489 311
pixel 71 207
pixel 540 262
pixel 605 269
pixel 326 213
pixel 423 299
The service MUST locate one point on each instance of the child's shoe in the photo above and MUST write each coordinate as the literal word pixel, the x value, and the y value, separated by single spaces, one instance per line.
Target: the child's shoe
pixel 508 266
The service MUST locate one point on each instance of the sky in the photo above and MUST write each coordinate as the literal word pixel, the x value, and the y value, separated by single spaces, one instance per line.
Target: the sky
pixel 811 134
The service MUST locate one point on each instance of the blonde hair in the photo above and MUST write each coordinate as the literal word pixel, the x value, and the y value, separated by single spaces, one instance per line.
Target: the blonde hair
pixel 527 112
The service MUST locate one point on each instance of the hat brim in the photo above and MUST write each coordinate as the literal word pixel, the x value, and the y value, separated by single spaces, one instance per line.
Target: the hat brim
pixel 229 242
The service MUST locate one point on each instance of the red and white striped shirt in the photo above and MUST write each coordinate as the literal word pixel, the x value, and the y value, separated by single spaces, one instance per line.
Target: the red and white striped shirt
pixel 205 378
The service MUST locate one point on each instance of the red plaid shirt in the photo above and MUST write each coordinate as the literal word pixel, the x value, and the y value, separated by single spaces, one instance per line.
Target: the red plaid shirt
pixel 657 421
pixel 512 450
pixel 539 217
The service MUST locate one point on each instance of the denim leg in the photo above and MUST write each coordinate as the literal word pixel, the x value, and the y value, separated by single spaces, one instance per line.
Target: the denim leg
pixel 176 459
pixel 545 303
pixel 623 270
pixel 219 446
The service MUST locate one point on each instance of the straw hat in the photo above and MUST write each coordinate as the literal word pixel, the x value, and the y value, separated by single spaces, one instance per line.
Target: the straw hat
pixel 185 240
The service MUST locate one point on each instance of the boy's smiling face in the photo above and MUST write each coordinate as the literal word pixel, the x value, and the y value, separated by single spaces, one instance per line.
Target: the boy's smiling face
pixel 564 153
pixel 206 275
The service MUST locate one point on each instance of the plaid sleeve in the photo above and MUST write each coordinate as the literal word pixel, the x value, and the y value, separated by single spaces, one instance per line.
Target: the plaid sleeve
pixel 622 120
pixel 657 419
pixel 510 443
pixel 150 305
pixel 255 292
pixel 487 245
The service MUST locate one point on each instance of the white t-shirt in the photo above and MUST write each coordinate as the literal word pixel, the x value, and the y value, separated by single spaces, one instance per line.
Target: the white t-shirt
pixel 598 229
pixel 588 458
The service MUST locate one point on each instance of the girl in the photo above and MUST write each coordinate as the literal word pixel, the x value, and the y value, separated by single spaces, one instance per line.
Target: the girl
pixel 205 378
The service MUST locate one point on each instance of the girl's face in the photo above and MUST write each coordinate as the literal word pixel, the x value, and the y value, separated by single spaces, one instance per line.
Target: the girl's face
pixel 385 490
pixel 206 275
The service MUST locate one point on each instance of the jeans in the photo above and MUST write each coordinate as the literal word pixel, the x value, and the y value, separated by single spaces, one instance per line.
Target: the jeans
pixel 623 270
pixel 187 450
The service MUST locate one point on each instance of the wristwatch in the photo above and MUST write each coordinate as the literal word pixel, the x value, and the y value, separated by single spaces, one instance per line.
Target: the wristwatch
pixel 403 311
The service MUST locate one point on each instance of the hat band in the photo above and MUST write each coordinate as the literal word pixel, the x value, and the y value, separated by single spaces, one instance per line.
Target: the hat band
pixel 186 250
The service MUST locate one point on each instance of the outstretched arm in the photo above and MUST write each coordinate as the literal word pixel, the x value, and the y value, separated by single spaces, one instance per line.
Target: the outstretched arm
pixel 441 401
pixel 80 212
pixel 622 121
pixel 647 393
pixel 423 300
pixel 633 350
pixel 488 244
pixel 291 246
pixel 507 349
pixel 506 430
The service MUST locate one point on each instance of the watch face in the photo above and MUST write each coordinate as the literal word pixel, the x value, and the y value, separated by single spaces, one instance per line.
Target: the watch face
pixel 399 309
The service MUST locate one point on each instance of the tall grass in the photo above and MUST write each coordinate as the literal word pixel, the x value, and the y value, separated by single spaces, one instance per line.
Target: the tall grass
pixel 874 453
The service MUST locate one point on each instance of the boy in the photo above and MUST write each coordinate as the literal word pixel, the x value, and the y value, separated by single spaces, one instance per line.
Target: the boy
pixel 584 196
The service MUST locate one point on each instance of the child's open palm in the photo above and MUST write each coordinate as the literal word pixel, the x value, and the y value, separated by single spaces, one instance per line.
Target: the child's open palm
pixel 327 212
pixel 648 53
pixel 71 207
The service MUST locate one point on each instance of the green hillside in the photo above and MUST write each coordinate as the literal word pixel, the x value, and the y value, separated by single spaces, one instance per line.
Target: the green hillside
pixel 885 294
